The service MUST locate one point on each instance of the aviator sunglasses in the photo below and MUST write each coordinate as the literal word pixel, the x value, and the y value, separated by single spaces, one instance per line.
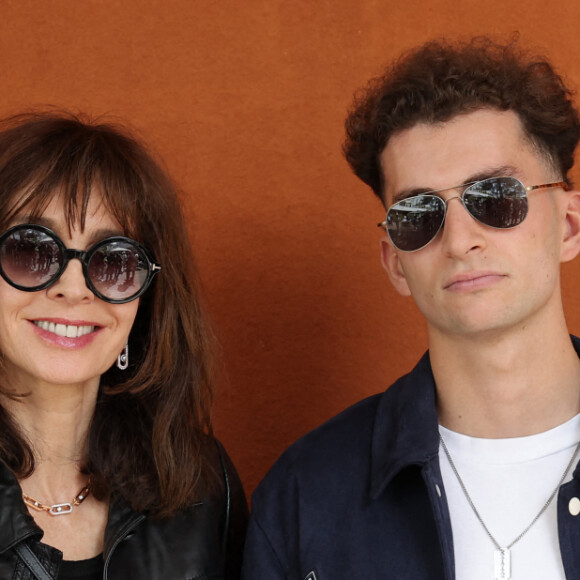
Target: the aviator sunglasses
pixel 497 202
pixel 116 269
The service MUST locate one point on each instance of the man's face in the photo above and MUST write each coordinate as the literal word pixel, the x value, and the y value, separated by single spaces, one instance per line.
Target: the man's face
pixel 472 278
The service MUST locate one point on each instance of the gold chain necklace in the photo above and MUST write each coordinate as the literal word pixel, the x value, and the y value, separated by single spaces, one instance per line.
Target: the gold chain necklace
pixel 59 509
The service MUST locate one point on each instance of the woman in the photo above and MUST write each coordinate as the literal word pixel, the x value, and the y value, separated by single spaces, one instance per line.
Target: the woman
pixel 108 465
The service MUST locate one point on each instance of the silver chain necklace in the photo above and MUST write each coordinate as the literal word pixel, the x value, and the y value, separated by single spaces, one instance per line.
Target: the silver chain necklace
pixel 502 555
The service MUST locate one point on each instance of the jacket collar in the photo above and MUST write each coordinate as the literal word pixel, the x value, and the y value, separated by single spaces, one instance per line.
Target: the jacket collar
pixel 16 524
pixel 122 520
pixel 406 429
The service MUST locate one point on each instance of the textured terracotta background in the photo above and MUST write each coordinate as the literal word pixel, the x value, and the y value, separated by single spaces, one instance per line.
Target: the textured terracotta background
pixel 245 101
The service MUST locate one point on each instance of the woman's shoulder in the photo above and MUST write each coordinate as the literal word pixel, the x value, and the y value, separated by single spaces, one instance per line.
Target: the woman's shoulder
pixel 207 535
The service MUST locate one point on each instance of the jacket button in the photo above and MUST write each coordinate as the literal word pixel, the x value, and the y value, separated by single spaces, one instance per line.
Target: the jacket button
pixel 574 506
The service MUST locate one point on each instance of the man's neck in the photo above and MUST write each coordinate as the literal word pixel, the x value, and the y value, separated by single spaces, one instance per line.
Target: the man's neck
pixel 512 384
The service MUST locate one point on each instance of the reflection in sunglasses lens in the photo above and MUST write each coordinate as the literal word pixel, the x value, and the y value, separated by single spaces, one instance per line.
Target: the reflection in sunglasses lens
pixel 414 222
pixel 30 258
pixel 118 270
pixel 499 203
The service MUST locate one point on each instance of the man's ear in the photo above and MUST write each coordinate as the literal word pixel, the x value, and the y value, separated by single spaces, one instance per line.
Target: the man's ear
pixel 392 264
pixel 571 233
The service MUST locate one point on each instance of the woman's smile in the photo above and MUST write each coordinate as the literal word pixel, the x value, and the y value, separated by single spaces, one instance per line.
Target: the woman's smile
pixel 68 330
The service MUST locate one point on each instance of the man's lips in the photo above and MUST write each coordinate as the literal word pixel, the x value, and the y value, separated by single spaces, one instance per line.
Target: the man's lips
pixel 472 281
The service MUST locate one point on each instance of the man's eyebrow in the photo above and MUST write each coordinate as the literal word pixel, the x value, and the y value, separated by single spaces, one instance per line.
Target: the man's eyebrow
pixel 501 171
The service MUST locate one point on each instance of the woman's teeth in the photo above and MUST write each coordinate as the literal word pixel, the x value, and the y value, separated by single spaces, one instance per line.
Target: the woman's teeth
pixel 67 330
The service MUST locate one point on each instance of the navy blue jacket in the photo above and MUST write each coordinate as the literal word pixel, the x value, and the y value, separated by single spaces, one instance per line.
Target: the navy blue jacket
pixel 361 497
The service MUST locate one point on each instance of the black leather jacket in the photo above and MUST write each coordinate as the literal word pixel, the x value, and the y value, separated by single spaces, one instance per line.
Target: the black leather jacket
pixel 204 542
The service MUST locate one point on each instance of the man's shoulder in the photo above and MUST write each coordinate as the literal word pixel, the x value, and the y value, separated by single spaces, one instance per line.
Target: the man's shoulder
pixel 337 453
pixel 351 427
pixel 348 436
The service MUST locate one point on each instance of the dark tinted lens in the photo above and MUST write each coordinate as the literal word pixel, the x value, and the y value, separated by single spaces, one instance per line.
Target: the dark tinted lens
pixel 118 269
pixel 30 258
pixel 414 222
pixel 499 202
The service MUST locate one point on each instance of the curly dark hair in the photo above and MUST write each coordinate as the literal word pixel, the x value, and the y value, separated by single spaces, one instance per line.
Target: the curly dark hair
pixel 440 80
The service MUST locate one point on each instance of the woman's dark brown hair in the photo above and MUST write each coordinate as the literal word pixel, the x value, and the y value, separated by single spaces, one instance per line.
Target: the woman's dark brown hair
pixel 148 442
pixel 440 80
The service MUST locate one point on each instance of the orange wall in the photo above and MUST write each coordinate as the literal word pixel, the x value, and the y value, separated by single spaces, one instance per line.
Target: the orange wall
pixel 245 100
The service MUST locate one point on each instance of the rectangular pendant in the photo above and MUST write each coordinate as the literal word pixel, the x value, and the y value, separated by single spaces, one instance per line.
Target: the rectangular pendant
pixel 60 509
pixel 502 564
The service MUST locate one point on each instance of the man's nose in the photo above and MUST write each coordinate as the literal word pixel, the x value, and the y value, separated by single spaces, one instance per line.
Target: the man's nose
pixel 462 233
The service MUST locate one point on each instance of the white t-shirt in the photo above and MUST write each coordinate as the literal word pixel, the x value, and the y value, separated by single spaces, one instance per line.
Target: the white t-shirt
pixel 508 480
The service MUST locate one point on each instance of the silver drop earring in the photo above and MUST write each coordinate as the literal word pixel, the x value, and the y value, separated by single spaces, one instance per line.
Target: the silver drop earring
pixel 123 358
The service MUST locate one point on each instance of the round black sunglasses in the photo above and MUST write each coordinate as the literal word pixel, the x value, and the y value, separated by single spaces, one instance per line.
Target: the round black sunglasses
pixel 116 269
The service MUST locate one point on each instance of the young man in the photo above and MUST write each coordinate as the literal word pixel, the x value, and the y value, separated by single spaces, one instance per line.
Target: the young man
pixel 464 468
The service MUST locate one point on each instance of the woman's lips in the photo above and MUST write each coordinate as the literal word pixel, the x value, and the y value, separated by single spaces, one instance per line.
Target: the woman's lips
pixel 67 330
pixel 65 333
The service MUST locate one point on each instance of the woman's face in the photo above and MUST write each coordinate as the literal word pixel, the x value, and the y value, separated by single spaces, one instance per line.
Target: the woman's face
pixel 63 335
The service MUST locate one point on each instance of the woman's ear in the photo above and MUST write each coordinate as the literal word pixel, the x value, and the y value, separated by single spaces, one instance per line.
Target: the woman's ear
pixel 392 264
pixel 571 232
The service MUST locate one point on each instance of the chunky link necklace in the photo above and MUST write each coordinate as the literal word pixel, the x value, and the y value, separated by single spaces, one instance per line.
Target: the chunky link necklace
pixel 59 509
pixel 502 555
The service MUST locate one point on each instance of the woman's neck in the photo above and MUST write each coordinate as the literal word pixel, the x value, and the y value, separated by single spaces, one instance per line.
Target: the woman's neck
pixel 55 420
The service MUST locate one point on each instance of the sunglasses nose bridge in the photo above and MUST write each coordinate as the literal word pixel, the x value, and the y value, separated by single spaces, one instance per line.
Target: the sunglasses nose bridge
pixel 69 254
pixel 461 201
pixel 446 201
pixel 74 254
pixel 458 197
